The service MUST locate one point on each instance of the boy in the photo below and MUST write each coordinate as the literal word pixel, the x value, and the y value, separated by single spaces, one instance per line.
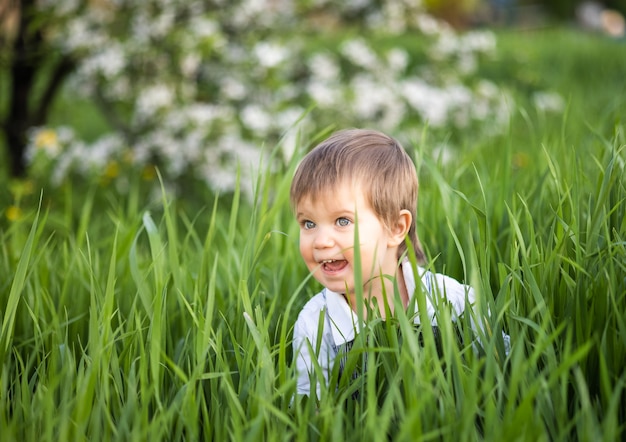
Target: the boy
pixel 361 179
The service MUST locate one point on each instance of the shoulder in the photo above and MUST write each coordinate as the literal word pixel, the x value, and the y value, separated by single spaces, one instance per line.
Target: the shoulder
pixel 457 293
pixel 314 305
pixel 444 286
pixel 451 287
pixel 309 316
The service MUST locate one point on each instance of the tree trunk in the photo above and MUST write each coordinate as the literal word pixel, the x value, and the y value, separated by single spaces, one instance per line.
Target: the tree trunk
pixel 22 78
pixel 29 56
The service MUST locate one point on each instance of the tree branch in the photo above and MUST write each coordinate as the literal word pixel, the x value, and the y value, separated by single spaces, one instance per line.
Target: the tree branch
pixel 64 67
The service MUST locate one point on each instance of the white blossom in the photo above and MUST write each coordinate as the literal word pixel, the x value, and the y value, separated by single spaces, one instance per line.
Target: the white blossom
pixel 233 88
pixel 269 54
pixel 204 101
pixel 190 64
pixel 256 118
pixel 102 150
pixel 153 98
pixel 289 143
pixel 63 7
pixel 79 35
pixel 428 24
pixel 287 118
pixel 359 53
pixel 479 41
pixel 324 67
pixel 429 101
pixel 548 101
pixel 323 93
pixel 467 63
pixel 398 60
pixel 202 114
pixel 446 45
pixel 109 62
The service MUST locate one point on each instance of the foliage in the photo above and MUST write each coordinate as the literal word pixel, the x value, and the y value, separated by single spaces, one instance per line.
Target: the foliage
pixel 201 88
pixel 129 318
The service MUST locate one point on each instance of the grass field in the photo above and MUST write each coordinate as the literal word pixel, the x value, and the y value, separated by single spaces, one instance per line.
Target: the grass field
pixel 125 317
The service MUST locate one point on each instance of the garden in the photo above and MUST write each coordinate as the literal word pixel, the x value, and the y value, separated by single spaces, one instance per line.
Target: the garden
pixel 150 274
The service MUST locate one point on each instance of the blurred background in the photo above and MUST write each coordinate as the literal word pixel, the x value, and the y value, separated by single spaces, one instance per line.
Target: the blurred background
pixel 149 267
pixel 205 90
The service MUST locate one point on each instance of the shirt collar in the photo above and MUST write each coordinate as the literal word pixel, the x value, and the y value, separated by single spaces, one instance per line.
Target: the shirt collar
pixel 409 278
pixel 344 322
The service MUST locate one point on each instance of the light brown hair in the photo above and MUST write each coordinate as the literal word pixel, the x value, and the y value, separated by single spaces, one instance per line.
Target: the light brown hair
pixel 377 162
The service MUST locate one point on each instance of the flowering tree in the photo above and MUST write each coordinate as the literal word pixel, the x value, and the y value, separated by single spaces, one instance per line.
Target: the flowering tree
pixel 199 87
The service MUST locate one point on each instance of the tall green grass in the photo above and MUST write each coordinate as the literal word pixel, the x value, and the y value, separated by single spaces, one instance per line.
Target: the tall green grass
pixel 138 324
pixel 128 318
pixel 124 319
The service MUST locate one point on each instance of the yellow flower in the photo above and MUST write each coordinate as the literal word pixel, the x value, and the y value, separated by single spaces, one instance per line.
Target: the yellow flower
pixel 521 160
pixel 148 173
pixel 47 139
pixel 13 213
pixel 111 170
pixel 128 156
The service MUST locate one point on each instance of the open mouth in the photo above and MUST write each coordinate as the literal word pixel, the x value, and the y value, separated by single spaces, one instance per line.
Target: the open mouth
pixel 333 265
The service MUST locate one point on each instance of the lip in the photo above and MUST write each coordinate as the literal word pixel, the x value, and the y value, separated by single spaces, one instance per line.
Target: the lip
pixel 322 262
pixel 332 266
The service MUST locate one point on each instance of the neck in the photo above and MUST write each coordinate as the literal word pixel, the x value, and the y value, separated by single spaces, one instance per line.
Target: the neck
pixel 379 293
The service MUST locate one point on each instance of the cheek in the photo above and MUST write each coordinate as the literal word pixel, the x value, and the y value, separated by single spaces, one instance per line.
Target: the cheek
pixel 373 234
pixel 305 249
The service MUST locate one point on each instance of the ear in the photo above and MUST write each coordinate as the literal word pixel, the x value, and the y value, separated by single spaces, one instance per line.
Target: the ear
pixel 398 232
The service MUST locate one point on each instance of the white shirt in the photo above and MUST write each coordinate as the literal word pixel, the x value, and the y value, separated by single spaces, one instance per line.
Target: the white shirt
pixel 340 324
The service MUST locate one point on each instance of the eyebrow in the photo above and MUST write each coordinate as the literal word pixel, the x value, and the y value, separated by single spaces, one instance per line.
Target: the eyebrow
pixel 338 213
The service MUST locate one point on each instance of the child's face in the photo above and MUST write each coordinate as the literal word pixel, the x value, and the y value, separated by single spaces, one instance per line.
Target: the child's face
pixel 327 228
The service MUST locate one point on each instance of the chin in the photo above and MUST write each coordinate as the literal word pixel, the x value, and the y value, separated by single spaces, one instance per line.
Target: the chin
pixel 339 288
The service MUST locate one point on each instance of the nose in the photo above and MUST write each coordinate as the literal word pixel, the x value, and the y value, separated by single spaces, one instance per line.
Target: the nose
pixel 323 239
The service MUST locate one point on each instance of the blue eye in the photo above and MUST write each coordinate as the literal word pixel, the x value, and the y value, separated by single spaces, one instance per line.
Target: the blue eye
pixel 343 222
pixel 308 224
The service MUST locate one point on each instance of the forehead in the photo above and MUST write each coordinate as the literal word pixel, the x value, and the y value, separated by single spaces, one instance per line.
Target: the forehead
pixel 346 194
